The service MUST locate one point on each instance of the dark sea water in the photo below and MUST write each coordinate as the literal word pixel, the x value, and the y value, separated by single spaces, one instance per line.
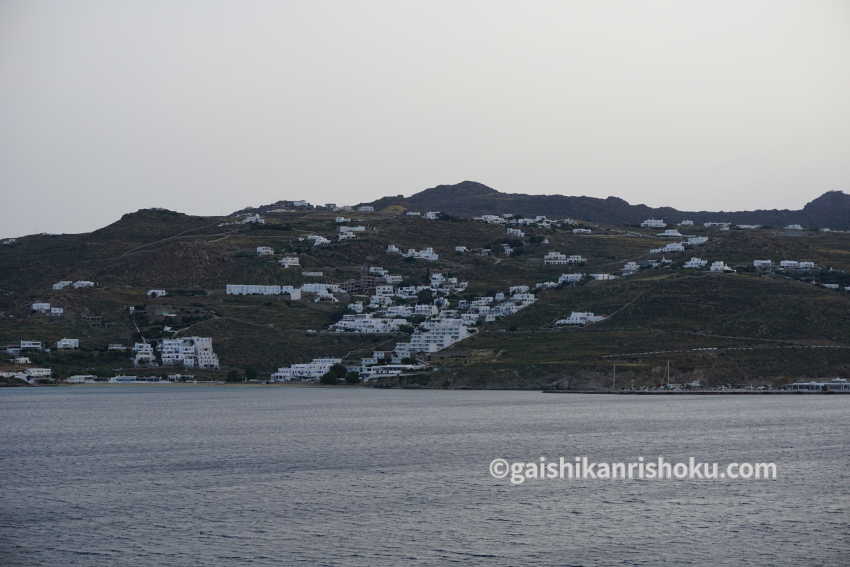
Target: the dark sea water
pixel 198 475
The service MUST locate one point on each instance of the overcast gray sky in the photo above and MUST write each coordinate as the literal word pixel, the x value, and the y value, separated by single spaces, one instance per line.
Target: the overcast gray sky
pixel 107 106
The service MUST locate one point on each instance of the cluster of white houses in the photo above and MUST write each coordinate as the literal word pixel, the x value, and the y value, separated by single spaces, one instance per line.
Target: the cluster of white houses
pixel 557 258
pixel 424 254
pixel 47 309
pixel 79 284
pixel 188 352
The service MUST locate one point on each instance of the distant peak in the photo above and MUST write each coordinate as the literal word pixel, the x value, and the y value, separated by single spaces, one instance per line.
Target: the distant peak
pixel 467 187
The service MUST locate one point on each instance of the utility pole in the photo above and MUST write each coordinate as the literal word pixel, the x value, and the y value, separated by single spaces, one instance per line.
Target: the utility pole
pixel 668 372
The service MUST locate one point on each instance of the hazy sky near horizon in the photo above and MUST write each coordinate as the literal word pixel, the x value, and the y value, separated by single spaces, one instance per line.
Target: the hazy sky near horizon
pixel 208 106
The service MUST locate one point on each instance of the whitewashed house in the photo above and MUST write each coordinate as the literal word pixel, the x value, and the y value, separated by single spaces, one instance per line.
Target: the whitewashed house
pixel 265 251
pixel 393 249
pixel 68 344
pixel 461 249
pixel 763 264
pixel 582 231
pixel 670 233
pixel 40 307
pixel 695 263
pixel 570 278
pixel 515 233
pixel 61 285
pixel 30 345
pixel 794 227
pixel 432 215
pixel 342 220
pixel 157 293
pixel 580 318
pixel 290 261
pixel 56 311
pixel 654 223
pixel 81 284
pixel 720 266
pixel 366 209
pixel 313 370
pixel 686 222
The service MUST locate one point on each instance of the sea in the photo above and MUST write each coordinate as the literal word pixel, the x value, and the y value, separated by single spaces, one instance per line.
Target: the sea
pixel 173 475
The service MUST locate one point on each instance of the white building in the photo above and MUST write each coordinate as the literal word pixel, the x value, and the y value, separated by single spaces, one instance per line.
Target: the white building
pixel 288 261
pixel 265 251
pixel 41 307
pixel 190 352
pixel 341 220
pixel 366 209
pixel 30 345
pixel 461 249
pixel 253 219
pixel 697 240
pixel 61 285
pixel 762 264
pixel 68 344
pixel 670 233
pixel 654 223
pixel 570 278
pixel 582 231
pixel 424 254
pixel 794 227
pixel 720 266
pixel 157 293
pixel 57 311
pixel 81 284
pixel 313 370
pixel 686 222
pixel 432 215
pixel 557 258
pixel 603 277
pixel 143 355
pixel 515 233
pixel 695 263
pixel 580 318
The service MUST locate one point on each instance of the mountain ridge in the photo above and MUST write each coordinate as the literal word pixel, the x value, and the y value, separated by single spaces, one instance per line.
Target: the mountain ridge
pixel 472 198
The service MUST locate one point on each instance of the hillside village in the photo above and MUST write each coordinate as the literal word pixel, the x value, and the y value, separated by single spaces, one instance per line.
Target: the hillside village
pixel 294 292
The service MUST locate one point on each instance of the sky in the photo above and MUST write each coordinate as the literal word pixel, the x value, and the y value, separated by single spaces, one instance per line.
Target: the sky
pixel 209 106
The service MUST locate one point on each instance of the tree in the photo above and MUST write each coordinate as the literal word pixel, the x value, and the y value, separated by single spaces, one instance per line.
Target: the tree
pixel 233 376
pixel 251 373
pixel 352 378
pixel 334 375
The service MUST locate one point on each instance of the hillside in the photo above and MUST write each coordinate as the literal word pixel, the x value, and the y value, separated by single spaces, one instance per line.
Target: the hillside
pixel 469 198
pixel 761 326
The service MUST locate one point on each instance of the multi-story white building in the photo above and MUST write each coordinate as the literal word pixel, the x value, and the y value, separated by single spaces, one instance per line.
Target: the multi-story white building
pixel 68 344
pixel 515 233
pixel 720 266
pixel 313 370
pixel 143 355
pixel 190 352
pixel 367 324
pixel 31 345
